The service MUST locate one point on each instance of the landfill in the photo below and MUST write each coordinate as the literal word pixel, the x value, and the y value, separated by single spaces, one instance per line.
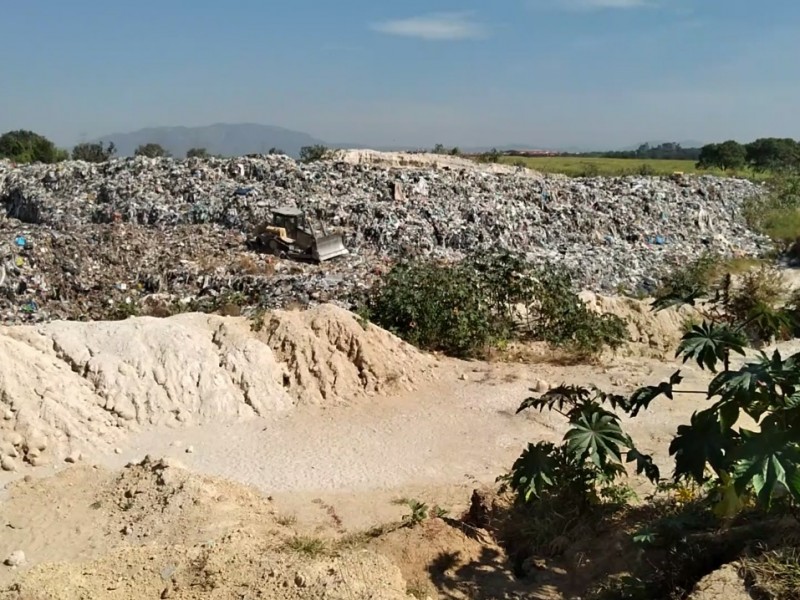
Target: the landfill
pixel 148 236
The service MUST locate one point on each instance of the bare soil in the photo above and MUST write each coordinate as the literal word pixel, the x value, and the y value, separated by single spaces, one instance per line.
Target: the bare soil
pixel 221 462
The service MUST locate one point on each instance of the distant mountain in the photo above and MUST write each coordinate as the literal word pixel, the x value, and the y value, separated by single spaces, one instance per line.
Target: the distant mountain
pixel 221 138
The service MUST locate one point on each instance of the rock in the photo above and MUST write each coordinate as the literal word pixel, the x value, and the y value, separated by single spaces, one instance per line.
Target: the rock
pixel 542 386
pixel 39 461
pixel 481 508
pixel 189 449
pixel 8 464
pixel 7 449
pixel 15 559
pixel 300 580
pixel 73 457
pixel 117 450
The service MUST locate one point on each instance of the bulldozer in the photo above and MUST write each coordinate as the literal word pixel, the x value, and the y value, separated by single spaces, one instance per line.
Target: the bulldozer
pixel 290 234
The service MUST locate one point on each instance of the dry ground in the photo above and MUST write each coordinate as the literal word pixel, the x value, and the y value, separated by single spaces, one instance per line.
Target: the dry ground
pixel 281 504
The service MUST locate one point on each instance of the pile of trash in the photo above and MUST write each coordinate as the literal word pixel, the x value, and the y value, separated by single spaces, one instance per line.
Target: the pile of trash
pixel 83 240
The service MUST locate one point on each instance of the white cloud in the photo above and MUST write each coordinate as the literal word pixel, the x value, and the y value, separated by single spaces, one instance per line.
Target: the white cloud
pixel 436 27
pixel 592 4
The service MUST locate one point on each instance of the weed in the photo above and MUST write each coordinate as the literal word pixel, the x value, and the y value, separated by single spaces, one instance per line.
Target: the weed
pixel 419 589
pixel 286 520
pixel 774 573
pixel 465 309
pixel 419 512
pixel 257 321
pixel 309 546
pixel 437 512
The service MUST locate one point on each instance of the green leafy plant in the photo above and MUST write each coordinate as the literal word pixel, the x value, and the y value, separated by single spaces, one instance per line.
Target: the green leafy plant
pixel 593 453
pixel 464 308
pixel 419 512
pixel 741 462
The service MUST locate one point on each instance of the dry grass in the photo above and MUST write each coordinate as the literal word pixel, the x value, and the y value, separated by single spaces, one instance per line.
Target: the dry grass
pixel 775 573
pixel 309 546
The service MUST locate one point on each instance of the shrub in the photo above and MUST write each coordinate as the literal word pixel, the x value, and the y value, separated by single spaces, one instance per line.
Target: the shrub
pixel 463 309
pixel 26 147
pixel 735 464
pixel 777 214
pixel 151 151
pixel 435 307
pixel 94 152
pixel 313 153
pixel 197 153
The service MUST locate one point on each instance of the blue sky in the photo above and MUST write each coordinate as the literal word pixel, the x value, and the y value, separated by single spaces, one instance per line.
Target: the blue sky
pixel 551 73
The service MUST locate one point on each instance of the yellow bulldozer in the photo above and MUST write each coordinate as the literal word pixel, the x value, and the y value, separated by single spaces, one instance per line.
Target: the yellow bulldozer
pixel 290 234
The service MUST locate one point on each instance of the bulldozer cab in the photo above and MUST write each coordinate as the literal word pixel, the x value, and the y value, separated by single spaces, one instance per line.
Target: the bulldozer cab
pixel 291 219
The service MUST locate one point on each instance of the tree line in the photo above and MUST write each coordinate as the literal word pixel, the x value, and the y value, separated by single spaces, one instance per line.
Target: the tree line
pixel 777 155
pixel 23 146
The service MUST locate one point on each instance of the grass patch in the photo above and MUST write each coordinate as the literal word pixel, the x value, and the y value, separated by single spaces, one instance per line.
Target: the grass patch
pixel 579 166
pixel 308 546
pixel 286 520
pixel 774 573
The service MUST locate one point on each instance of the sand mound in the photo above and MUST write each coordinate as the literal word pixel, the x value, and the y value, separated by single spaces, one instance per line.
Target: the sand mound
pixel 651 333
pixel 71 387
pixel 153 527
pixel 329 354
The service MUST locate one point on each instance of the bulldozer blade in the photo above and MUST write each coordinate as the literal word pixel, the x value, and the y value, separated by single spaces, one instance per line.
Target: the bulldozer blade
pixel 328 247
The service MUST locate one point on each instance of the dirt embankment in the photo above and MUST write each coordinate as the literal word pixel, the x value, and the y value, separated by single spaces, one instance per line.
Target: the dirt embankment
pixel 71 388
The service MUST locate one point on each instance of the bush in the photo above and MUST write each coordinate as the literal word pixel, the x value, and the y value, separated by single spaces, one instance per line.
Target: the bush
pixel 94 152
pixel 465 308
pixel 197 153
pixel 313 153
pixel 756 298
pixel 151 151
pixel 777 214
pixel 27 147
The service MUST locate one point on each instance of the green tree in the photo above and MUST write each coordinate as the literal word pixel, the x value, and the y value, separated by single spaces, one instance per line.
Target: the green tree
pixel 197 153
pixel 151 151
pixel 727 155
pixel 274 150
pixel 709 157
pixel 773 154
pixel 94 152
pixel 24 146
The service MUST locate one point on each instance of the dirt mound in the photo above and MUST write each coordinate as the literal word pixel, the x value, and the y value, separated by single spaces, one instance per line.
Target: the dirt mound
pixel 70 387
pixel 153 527
pixel 722 583
pixel 330 354
pixel 238 566
pixel 652 333
pixel 444 558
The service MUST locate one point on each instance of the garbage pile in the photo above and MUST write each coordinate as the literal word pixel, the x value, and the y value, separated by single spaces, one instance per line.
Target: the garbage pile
pixel 83 240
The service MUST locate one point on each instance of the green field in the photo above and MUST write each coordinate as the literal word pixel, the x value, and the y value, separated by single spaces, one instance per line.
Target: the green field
pixel 579 166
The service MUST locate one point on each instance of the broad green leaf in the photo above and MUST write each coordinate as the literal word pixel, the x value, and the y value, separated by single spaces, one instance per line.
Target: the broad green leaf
pixel 670 300
pixel 642 397
pixel 710 343
pixel 533 471
pixel 596 435
pixel 741 384
pixel 704 442
pixel 558 397
pixel 768 460
pixel 644 464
